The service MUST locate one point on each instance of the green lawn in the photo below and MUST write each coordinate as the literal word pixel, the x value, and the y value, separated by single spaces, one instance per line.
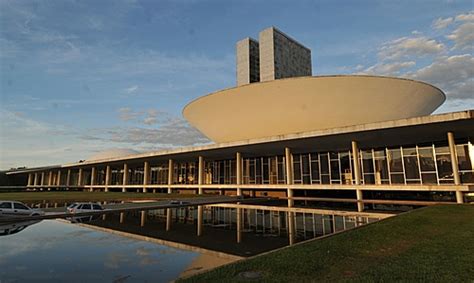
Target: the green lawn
pixel 86 196
pixel 433 244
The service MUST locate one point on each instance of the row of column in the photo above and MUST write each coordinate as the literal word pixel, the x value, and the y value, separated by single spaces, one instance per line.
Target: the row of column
pixel 33 179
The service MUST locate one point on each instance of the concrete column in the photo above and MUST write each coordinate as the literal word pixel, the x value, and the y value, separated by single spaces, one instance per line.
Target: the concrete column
pixel 125 177
pixel 289 174
pixel 68 178
pixel 357 174
pixel 93 173
pixel 50 179
pixel 36 180
pixel 146 175
pixel 200 208
pixel 142 218
pixel 455 166
pixel 79 177
pixel 200 174
pixel 168 218
pixel 122 217
pixel 108 175
pixel 58 181
pixel 238 165
pixel 290 181
pixel 43 181
pixel 30 179
pixel 170 174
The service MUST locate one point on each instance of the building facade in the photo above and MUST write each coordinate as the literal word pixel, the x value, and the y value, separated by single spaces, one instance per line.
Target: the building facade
pixel 282 57
pixel 274 56
pixel 248 61
pixel 360 141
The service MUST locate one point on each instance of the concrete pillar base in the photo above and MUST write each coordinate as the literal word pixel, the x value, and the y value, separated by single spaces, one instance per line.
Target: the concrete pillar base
pixel 459 197
pixel 360 205
pixel 291 228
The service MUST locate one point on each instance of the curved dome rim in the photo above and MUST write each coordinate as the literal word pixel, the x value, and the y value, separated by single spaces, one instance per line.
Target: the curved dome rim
pixel 312 77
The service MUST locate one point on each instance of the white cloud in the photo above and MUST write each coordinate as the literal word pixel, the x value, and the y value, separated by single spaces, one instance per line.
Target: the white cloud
pixel 444 67
pixel 467 17
pixel 150 120
pixel 131 89
pixel 463 36
pixel 410 46
pixel 441 23
pixel 28 142
pixel 126 114
pixel 453 74
pixel 388 68
pixel 175 132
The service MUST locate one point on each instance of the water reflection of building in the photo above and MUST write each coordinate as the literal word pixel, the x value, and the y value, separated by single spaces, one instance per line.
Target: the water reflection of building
pixel 363 139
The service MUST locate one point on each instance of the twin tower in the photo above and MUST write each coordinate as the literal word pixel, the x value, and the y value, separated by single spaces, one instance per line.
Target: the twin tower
pixel 274 56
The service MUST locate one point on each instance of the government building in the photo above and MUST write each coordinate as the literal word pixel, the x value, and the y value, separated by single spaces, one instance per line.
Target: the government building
pixel 364 142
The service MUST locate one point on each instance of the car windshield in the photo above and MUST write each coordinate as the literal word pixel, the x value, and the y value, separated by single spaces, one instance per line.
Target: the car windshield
pixel 72 205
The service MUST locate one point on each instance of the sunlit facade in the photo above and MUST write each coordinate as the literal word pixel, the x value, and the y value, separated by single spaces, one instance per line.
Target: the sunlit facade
pixel 353 140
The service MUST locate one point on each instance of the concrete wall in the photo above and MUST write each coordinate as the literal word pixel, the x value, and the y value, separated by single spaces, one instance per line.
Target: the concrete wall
pixel 282 56
pixel 248 61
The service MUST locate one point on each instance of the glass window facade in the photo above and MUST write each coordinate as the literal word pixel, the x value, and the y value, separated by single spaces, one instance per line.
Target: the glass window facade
pixel 430 164
pixel 116 177
pixel 465 154
pixel 159 174
pixel 264 170
pixel 136 176
pixel 185 173
pixel 424 164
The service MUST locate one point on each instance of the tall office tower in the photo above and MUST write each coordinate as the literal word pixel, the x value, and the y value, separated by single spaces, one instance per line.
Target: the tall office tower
pixel 248 70
pixel 282 57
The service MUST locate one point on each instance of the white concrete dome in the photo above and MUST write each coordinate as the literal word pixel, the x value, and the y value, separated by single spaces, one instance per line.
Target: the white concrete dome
pixel 305 104
pixel 112 153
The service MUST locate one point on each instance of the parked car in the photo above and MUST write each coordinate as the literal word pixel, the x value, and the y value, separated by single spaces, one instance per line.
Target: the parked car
pixel 16 208
pixel 79 207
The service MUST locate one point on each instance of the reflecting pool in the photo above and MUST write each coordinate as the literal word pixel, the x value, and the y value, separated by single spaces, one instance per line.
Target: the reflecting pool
pixel 56 251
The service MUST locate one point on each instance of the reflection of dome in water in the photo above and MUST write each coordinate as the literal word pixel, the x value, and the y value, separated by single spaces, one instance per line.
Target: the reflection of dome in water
pixel 111 153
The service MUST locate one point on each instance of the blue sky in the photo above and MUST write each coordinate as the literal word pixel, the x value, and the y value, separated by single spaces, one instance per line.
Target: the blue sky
pixel 80 77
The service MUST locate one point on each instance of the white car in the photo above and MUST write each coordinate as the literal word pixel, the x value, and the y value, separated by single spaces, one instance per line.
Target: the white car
pixel 16 208
pixel 79 207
